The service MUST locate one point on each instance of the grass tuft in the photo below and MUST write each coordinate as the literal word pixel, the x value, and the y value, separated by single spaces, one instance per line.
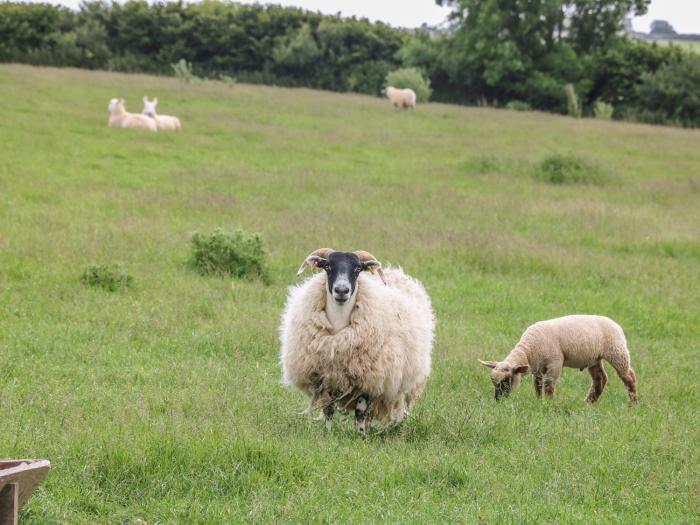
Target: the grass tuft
pixel 569 169
pixel 237 254
pixel 110 277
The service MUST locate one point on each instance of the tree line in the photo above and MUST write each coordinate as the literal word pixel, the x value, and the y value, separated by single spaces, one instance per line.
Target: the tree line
pixel 515 53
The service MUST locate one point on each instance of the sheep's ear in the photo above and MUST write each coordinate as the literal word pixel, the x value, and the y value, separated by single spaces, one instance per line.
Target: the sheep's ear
pixel 314 261
pixel 155 100
pixel 371 266
pixel 521 369
pixel 489 364
pixel 145 99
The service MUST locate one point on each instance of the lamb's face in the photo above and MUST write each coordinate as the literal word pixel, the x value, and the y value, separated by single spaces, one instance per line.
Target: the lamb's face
pixel 112 104
pixel 505 378
pixel 149 107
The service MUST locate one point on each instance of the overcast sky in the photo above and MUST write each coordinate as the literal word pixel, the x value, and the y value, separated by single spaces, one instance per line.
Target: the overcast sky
pixel 684 15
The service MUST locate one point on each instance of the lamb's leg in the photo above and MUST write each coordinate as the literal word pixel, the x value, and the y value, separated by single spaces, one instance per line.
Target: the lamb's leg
pixel 598 381
pixel 550 380
pixel 538 385
pixel 628 377
pixel 361 406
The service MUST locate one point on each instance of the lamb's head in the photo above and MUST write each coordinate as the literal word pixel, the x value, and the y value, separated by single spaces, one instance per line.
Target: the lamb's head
pixel 149 107
pixel 504 376
pixel 113 103
pixel 342 269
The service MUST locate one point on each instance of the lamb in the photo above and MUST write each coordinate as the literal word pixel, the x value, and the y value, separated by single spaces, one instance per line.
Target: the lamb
pixel 357 340
pixel 164 122
pixel 576 341
pixel 400 98
pixel 120 118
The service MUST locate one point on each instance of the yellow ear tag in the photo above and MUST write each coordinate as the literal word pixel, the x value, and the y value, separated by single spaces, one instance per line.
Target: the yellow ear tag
pixel 372 270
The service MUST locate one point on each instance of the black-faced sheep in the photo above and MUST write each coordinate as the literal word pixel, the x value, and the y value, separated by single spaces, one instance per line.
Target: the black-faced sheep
pixel 355 340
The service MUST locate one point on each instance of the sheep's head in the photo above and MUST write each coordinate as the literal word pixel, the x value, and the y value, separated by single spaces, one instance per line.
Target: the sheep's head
pixel 504 376
pixel 149 107
pixel 113 103
pixel 342 269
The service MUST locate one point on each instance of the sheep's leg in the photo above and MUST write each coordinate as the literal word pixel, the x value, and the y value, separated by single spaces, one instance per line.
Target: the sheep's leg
pixel 550 380
pixel 628 377
pixel 598 381
pixel 326 402
pixel 361 406
pixel 538 385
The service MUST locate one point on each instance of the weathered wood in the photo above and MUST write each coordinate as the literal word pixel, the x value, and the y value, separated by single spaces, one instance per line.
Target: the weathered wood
pixel 18 479
pixel 9 507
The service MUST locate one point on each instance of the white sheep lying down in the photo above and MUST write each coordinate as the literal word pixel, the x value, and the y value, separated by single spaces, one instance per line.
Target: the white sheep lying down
pixel 364 345
pixel 121 118
pixel 400 98
pixel 164 122
pixel 576 341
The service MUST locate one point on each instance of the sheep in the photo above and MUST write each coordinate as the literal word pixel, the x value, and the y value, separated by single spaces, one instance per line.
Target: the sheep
pixel 356 340
pixel 120 118
pixel 576 341
pixel 400 98
pixel 164 122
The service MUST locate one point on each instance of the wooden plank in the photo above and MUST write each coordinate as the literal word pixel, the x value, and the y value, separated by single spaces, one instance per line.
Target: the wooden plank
pixel 9 506
pixel 26 474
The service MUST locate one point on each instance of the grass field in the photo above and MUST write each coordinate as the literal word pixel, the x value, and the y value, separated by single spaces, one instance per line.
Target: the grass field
pixel 690 45
pixel 163 402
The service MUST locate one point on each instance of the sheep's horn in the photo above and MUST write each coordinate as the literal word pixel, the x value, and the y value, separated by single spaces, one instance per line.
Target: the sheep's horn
pixel 368 257
pixel 321 252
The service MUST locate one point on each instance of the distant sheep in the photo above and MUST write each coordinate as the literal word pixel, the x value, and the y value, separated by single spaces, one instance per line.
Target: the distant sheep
pixel 400 98
pixel 120 118
pixel 164 122
pixel 357 341
pixel 576 341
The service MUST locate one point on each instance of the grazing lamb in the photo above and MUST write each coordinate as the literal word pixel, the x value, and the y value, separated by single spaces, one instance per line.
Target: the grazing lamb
pixel 355 340
pixel 576 341
pixel 400 98
pixel 120 118
pixel 164 122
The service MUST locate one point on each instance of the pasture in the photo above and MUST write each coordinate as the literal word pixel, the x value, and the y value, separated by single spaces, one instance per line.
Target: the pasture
pixel 163 401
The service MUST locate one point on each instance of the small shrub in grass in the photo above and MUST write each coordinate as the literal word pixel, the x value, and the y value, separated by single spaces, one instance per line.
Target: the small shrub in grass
pixel 573 108
pixel 568 169
pixel 236 254
pixel 603 110
pixel 110 277
pixel 518 105
pixel 183 71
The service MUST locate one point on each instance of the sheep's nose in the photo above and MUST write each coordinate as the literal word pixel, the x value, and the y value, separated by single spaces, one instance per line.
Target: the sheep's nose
pixel 341 289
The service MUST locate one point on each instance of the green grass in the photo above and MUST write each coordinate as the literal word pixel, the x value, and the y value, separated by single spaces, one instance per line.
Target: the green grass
pixel 163 401
pixel 689 45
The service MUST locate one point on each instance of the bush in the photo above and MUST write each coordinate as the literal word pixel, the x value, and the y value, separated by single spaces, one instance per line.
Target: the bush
pixel 110 277
pixel 603 110
pixel 671 95
pixel 572 105
pixel 410 77
pixel 518 105
pixel 236 254
pixel 568 169
pixel 183 70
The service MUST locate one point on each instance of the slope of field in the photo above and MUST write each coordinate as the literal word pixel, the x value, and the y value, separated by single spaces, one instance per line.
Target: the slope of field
pixel 164 402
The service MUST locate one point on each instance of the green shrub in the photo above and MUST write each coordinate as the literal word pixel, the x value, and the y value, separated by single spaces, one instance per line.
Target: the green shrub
pixel 568 169
pixel 183 70
pixel 110 277
pixel 236 254
pixel 410 77
pixel 573 108
pixel 603 110
pixel 518 105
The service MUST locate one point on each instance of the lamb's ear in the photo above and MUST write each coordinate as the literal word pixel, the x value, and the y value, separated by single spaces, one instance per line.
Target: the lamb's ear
pixel 145 99
pixel 521 369
pixel 155 100
pixel 489 364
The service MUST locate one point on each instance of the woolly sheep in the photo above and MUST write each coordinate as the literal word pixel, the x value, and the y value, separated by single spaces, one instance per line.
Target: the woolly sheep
pixel 576 341
pixel 400 98
pixel 164 122
pixel 120 118
pixel 356 340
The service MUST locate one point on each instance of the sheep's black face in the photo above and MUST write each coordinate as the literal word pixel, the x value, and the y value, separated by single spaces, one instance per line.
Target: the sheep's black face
pixel 342 269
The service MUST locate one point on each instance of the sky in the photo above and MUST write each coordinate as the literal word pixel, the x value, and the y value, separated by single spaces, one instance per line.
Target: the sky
pixel 683 15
